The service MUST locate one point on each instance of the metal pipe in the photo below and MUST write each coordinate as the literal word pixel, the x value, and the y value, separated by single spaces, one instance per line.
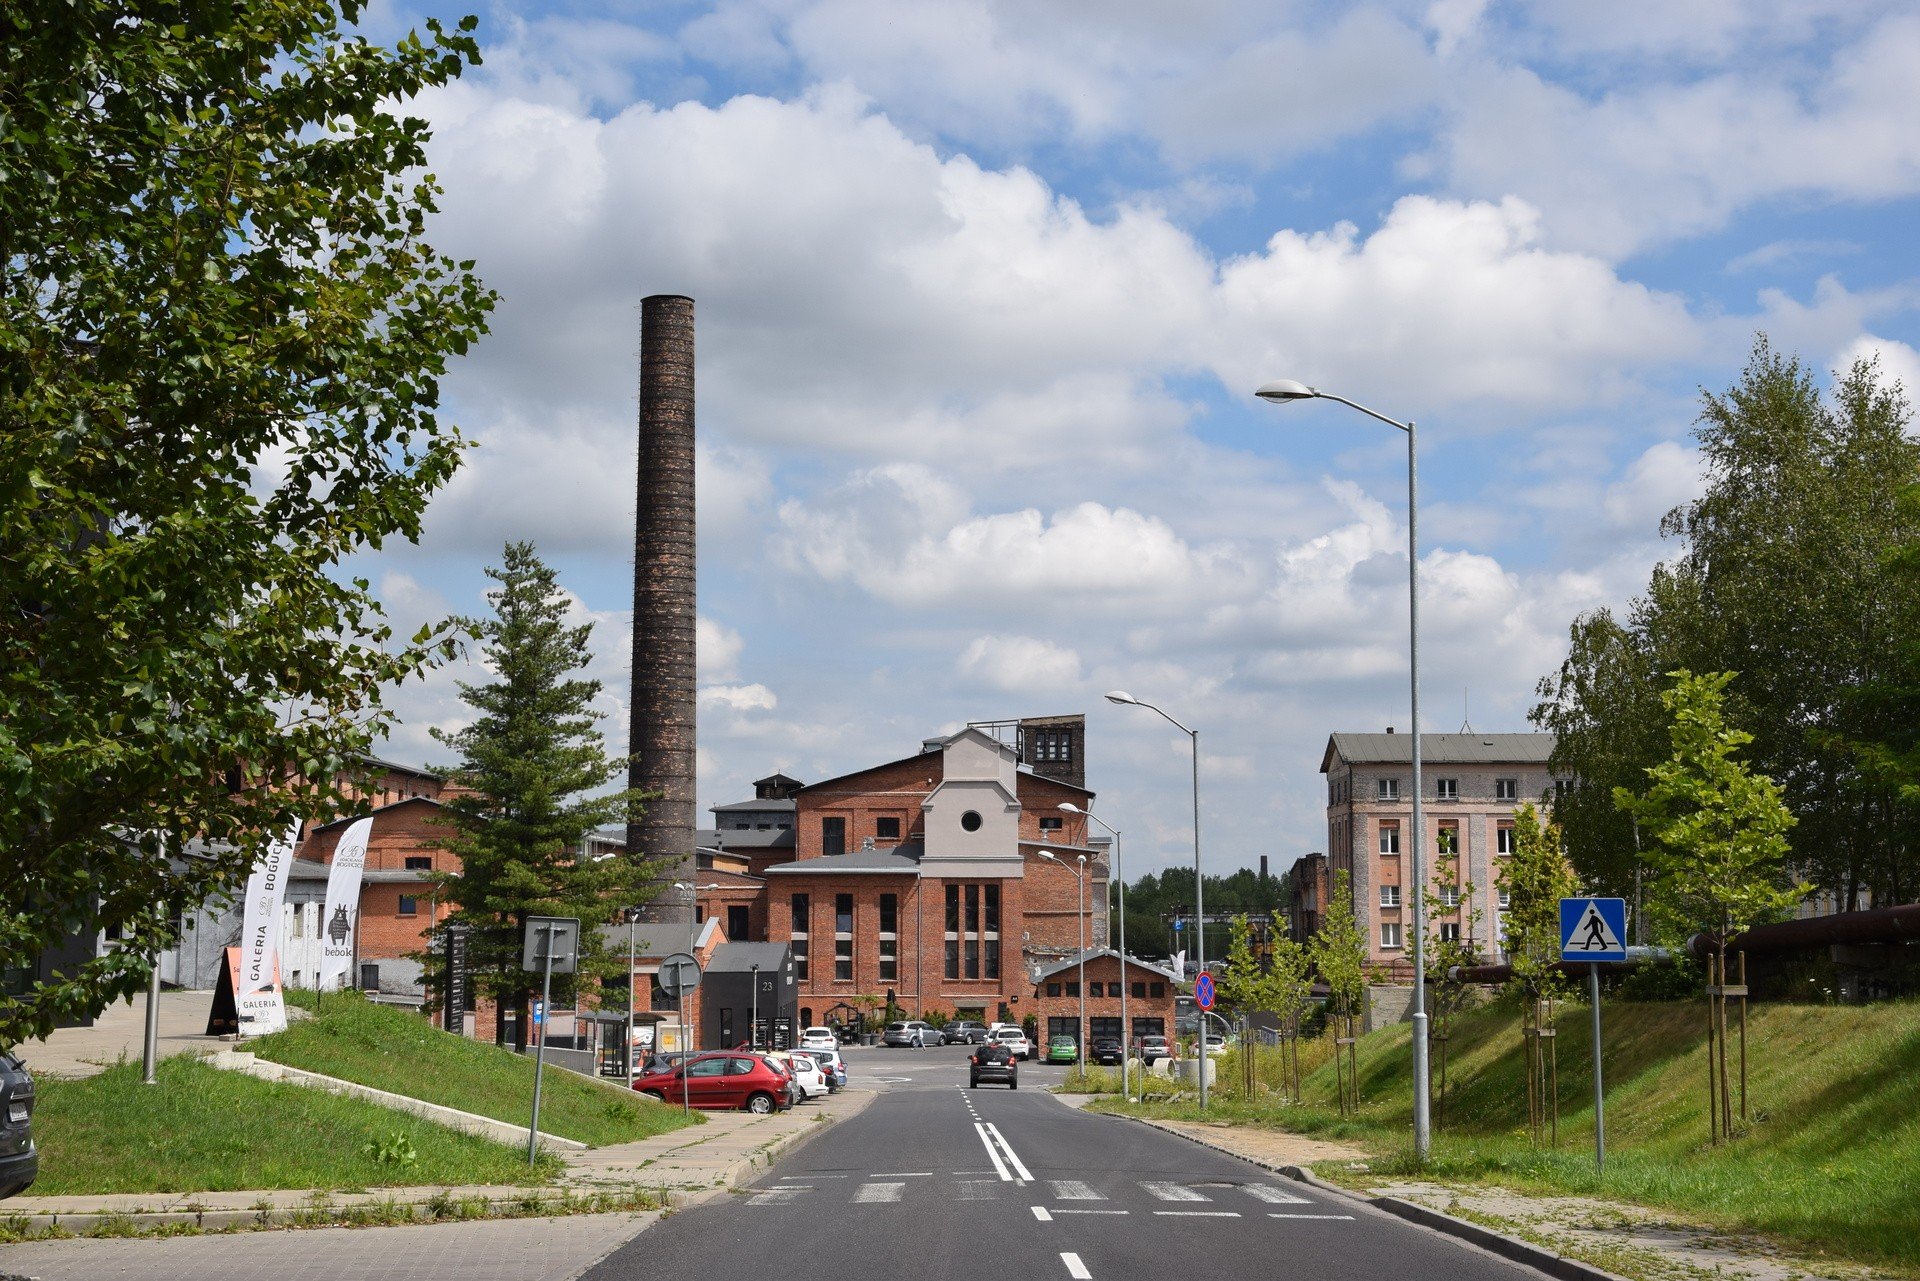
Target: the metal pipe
pixel 1875 925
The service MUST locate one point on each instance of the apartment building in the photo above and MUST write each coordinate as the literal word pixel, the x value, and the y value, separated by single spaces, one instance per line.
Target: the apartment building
pixel 1473 785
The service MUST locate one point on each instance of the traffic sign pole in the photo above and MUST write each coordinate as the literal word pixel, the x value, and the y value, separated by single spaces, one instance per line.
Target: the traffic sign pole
pixel 1599 1090
pixel 1594 930
pixel 540 1054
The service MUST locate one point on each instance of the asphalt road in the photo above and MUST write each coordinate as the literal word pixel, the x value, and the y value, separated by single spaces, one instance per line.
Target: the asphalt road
pixel 935 1180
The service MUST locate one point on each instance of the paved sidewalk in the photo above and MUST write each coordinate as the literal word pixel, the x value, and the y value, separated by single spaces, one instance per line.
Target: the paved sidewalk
pixel 120 1032
pixel 680 1168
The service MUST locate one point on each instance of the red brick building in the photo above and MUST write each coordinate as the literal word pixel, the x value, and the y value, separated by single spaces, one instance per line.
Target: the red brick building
pixel 1057 997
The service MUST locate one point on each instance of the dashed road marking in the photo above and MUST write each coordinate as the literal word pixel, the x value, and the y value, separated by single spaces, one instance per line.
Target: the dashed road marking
pixel 1076 1269
pixel 1040 1213
pixel 1074 1190
pixel 871 1193
pixel 1093 1212
pixel 775 1196
pixel 1275 1196
pixel 979 1190
pixel 1309 1216
pixel 1197 1214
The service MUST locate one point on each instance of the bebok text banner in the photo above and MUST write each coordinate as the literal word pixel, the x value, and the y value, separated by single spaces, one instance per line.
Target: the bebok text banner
pixel 342 918
pixel 258 992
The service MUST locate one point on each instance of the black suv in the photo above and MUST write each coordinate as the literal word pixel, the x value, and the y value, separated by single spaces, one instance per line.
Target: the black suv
pixel 1107 1049
pixel 992 1062
pixel 19 1161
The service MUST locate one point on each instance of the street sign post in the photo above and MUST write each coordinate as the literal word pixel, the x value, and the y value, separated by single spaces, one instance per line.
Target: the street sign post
pixel 551 944
pixel 1594 930
pixel 680 975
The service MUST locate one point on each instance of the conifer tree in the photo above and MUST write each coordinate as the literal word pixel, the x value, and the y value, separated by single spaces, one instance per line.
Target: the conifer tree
pixel 526 791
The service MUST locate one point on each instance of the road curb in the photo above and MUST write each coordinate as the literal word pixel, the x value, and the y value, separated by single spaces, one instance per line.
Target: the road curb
pixel 1513 1249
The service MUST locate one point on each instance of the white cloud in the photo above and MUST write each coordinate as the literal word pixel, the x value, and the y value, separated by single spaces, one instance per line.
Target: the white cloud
pixel 739 698
pixel 1898 362
pixel 1021 664
pixel 1660 479
pixel 717 648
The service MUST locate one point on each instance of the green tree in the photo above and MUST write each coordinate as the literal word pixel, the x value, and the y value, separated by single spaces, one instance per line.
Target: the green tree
pixel 221 338
pixel 1339 953
pixel 1450 902
pixel 1240 988
pixel 530 762
pixel 1719 829
pixel 1288 993
pixel 1536 877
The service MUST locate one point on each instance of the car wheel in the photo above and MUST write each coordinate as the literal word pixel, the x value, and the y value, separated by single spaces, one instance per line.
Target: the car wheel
pixel 760 1103
pixel 655 1095
pixel 1013 1084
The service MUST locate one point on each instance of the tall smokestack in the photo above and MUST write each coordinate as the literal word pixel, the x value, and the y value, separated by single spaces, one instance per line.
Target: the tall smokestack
pixel 662 726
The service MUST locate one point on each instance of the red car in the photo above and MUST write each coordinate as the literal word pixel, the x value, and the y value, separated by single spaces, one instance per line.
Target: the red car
pixel 721 1080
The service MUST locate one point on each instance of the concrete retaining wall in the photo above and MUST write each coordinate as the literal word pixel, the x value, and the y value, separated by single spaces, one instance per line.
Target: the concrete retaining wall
pixel 453 1118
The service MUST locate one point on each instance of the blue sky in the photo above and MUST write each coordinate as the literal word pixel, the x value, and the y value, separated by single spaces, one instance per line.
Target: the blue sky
pixel 982 293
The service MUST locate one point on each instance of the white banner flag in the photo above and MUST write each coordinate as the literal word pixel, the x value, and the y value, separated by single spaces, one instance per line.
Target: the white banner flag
pixel 260 939
pixel 342 916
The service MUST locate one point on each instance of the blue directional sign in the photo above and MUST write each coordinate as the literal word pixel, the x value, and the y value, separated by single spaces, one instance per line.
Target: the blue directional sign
pixel 1178 925
pixel 1593 929
pixel 1203 991
pixel 539 1013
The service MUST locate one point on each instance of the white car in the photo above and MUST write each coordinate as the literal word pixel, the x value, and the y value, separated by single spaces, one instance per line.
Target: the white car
pixel 1016 1040
pixel 818 1038
pixel 806 1074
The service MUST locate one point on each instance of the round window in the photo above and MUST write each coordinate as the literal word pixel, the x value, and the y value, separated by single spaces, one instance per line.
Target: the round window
pixel 970 821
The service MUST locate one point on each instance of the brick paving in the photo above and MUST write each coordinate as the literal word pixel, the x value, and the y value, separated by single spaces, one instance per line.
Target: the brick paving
pixel 556 1249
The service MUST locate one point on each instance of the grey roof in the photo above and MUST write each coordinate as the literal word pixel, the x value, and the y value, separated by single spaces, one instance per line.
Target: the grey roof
pixel 786 806
pixel 649 938
pixel 1094 954
pixel 739 958
pixel 904 857
pixel 418 770
pixel 1439 749
pixel 751 838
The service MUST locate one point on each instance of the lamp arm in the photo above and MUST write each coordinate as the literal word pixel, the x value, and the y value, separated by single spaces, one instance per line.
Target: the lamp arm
pixel 1371 413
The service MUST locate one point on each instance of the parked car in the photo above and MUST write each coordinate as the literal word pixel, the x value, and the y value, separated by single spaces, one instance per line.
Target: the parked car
pixel 912 1032
pixel 1014 1039
pixel 1063 1049
pixel 965 1032
pixel 1108 1050
pixel 721 1080
pixel 1150 1048
pixel 785 1071
pixel 818 1038
pixel 806 1073
pixel 19 1159
pixel 994 1062
pixel 833 1064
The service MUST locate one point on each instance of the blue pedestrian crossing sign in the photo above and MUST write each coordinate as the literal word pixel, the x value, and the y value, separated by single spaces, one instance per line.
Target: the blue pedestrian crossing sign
pixel 1593 929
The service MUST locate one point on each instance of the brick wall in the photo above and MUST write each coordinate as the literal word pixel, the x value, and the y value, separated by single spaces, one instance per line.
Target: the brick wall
pixel 1104 971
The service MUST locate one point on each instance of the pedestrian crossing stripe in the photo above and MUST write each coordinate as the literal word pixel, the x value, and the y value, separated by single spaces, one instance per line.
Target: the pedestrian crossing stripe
pixel 892 1190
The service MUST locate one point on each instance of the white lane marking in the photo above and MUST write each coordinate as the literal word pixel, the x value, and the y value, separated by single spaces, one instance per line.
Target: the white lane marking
pixel 1197 1214
pixel 1172 1191
pixel 1076 1269
pixel 917 1174
pixel 1093 1211
pixel 786 1177
pixel 1309 1216
pixel 1013 1158
pixel 872 1192
pixel 979 1189
pixel 1074 1190
pixel 1275 1196
pixel 1006 1176
pixel 1040 1213
pixel 775 1196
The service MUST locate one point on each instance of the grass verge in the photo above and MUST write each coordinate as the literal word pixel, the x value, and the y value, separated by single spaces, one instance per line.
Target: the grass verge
pixel 397 1050
pixel 203 1130
pixel 1827 1160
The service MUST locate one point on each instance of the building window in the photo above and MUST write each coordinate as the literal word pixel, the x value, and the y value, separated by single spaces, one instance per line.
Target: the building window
pixel 1073 989
pixel 800 908
pixel 991 965
pixel 953 932
pixel 1390 934
pixel 409 905
pixel 1157 990
pixel 889 937
pixel 1389 896
pixel 843 938
pixel 419 862
pixel 1503 839
pixel 1052 823
pixel 970 951
pixel 1449 896
pixel 1096 989
pixel 1389 789
pixel 1506 898
pixel 970 821
pixel 1449 931
pixel 992 898
pixel 739 922
pixel 1050 745
pixel 1053 989
pixel 1447 789
pixel 1506 789
pixel 973 909
pixel 833 836
pixel 1446 839
pixel 1389 838
pixel 886 829
pixel 1561 786
pixel 1140 991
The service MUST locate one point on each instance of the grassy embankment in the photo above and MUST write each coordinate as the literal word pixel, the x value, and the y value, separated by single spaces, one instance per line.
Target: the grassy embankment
pixel 393 1049
pixel 1830 1157
pixel 201 1129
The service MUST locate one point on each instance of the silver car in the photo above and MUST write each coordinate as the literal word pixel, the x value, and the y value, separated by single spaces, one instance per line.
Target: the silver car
pixel 912 1032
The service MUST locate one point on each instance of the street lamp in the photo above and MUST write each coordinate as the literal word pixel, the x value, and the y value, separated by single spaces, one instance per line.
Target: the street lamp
pixel 1199 889
pixel 1079 875
pixel 1283 391
pixel 633 917
pixel 1126 1027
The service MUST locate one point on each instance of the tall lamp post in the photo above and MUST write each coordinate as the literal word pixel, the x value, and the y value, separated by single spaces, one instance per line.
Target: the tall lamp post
pixel 633 917
pixel 1126 1027
pixel 1285 391
pixel 1079 875
pixel 1199 888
